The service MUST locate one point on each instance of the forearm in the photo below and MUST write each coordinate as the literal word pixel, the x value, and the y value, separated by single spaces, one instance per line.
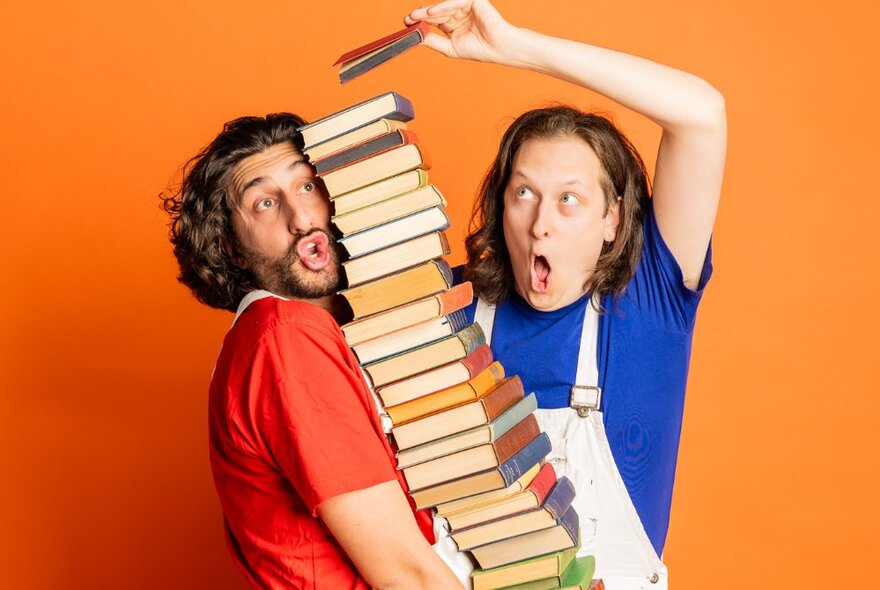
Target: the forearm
pixel 675 100
pixel 426 572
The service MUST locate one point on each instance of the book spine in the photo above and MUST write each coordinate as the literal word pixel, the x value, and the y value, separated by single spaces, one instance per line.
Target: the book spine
pixel 456 298
pixel 516 438
pixel 513 468
pixel 543 483
pixel 570 522
pixel 445 271
pixel 391 291
pixel 513 415
pixel 363 151
pixel 405 110
pixel 471 338
pixel 505 395
pixel 477 360
pixel 457 321
pixel 560 497
pixel 597 584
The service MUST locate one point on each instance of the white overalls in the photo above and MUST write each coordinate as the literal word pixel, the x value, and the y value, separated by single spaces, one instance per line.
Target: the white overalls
pixel 610 526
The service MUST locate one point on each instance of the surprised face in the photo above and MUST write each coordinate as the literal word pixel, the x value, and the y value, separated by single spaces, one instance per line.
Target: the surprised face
pixel 556 220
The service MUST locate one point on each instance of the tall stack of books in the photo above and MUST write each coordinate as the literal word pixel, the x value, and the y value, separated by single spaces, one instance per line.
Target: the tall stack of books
pixel 468 442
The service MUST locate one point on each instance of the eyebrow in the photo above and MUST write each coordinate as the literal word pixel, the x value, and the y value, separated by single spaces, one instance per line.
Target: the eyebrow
pixel 259 179
pixel 566 183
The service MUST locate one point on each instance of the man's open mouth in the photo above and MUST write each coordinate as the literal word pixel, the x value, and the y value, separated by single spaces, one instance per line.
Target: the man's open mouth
pixel 314 250
pixel 540 274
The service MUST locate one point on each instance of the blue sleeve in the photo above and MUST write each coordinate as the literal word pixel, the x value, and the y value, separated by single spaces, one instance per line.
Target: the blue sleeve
pixel 658 288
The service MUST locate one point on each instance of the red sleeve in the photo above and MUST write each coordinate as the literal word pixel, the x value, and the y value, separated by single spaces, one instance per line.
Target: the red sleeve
pixel 317 418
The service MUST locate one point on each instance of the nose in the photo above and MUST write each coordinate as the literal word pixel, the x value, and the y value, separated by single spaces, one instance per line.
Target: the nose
pixel 299 219
pixel 541 222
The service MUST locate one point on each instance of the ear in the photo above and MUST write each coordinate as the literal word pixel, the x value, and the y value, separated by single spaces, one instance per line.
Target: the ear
pixel 612 219
pixel 230 251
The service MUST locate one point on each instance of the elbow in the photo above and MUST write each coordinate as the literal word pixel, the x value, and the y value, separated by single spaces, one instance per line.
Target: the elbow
pixel 414 574
pixel 710 113
pixel 700 110
pixel 716 108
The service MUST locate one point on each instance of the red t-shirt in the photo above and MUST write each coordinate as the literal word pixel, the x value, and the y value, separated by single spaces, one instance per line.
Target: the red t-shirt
pixel 292 424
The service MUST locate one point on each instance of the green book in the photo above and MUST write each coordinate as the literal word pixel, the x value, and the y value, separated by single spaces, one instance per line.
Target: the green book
pixel 577 576
pixel 536 569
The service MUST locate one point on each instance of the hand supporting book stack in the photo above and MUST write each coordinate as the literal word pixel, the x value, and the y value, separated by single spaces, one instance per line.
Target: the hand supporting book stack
pixel 468 441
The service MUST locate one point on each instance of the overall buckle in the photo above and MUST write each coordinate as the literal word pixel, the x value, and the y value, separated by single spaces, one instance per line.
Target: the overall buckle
pixel 584 399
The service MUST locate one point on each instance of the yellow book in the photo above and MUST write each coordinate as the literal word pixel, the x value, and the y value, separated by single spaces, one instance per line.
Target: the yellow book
pixel 486 497
pixel 447 398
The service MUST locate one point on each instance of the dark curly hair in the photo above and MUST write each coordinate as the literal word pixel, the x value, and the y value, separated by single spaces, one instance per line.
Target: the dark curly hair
pixel 201 227
pixel 488 261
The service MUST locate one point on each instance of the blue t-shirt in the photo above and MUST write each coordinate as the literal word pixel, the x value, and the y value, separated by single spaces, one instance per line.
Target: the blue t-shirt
pixel 643 351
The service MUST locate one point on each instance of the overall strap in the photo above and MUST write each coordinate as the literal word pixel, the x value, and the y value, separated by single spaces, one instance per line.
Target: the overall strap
pixel 485 316
pixel 250 298
pixel 585 393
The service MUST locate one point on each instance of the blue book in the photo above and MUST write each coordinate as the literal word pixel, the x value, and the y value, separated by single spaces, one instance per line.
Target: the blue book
pixel 385 106
pixel 485 481
pixel 406 339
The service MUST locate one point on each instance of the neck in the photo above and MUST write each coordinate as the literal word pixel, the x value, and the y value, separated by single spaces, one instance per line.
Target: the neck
pixel 336 306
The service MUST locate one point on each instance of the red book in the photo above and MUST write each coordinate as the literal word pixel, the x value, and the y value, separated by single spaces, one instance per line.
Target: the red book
pixel 365 58
pixel 420 28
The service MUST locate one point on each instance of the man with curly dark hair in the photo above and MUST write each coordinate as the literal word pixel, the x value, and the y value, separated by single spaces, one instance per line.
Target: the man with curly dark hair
pixel 304 473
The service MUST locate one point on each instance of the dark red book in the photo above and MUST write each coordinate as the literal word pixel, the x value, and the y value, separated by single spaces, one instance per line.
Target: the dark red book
pixel 364 150
pixel 365 58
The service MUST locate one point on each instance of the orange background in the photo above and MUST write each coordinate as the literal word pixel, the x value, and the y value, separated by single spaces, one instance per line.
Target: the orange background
pixel 105 359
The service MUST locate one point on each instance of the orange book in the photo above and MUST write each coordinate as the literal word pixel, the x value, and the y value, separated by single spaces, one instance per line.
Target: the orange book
pixel 449 397
pixel 459 419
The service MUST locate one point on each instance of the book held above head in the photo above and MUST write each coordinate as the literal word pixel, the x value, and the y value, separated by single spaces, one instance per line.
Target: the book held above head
pixel 363 59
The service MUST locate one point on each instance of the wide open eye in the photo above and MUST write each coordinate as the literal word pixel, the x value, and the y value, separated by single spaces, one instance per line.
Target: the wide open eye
pixel 264 204
pixel 569 199
pixel 524 192
pixel 308 186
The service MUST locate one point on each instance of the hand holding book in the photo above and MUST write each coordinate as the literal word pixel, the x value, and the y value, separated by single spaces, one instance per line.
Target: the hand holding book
pixel 473 29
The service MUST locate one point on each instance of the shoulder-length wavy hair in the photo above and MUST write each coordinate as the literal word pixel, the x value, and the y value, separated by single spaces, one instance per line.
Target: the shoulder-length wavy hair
pixel 623 175
pixel 201 226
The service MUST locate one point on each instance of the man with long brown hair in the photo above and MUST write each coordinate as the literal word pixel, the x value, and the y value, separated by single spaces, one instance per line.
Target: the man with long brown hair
pixel 588 283
pixel 305 475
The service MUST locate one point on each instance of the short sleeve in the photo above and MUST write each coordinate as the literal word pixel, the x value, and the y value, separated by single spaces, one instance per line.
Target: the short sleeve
pixel 658 288
pixel 316 419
